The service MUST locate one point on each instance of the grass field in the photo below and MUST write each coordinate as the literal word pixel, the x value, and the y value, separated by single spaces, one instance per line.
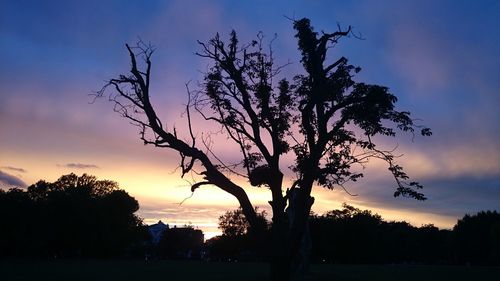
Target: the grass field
pixel 97 270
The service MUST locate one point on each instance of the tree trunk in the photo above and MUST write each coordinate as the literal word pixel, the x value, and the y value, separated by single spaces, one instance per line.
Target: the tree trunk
pixel 280 251
pixel 289 262
pixel 291 244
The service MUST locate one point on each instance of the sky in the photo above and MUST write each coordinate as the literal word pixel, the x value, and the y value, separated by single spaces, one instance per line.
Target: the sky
pixel 440 58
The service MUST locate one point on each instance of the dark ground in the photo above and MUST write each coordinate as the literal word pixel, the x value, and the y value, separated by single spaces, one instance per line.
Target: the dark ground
pixel 108 270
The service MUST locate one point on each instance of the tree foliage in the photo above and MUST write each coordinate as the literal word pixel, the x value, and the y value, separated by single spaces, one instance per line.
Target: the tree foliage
pixel 238 240
pixel 478 238
pixel 350 235
pixel 73 216
pixel 233 223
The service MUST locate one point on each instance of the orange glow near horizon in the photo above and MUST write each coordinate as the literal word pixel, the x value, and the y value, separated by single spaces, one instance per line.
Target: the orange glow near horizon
pixel 160 190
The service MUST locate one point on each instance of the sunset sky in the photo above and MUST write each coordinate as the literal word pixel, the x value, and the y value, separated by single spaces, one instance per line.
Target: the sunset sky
pixel 441 58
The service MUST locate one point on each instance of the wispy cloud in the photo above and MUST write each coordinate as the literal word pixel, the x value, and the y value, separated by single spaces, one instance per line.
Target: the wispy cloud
pixel 8 180
pixel 20 170
pixel 79 166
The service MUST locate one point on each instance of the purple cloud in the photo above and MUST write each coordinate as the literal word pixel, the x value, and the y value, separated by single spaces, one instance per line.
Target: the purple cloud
pixel 8 180
pixel 79 166
pixel 20 170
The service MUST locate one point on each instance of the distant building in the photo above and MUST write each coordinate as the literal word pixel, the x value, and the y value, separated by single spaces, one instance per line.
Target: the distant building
pixel 176 242
pixel 156 231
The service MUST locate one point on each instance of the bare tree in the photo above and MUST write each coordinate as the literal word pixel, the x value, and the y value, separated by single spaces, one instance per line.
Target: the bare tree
pixel 322 117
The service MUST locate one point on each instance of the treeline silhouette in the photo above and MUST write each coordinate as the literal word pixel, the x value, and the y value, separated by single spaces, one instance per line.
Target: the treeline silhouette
pixel 353 236
pixel 80 216
pixel 75 216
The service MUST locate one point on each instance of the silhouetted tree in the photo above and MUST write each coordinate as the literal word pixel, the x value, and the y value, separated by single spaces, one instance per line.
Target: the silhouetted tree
pixel 238 241
pixel 348 235
pixel 477 238
pixel 433 245
pixel 234 223
pixel 351 235
pixel 322 116
pixel 15 214
pixel 73 216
